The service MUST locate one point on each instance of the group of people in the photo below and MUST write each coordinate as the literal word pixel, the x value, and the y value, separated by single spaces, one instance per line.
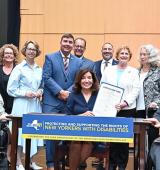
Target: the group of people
pixel 69 84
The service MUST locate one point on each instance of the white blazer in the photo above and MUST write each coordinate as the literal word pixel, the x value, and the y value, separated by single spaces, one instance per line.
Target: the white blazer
pixel 129 81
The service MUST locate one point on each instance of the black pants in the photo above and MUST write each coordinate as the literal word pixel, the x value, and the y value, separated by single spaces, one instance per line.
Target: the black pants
pixel 119 152
pixel 140 114
pixel 152 135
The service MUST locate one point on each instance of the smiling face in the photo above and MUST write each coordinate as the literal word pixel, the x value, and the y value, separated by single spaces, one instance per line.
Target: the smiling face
pixel 124 56
pixel 66 45
pixel 79 47
pixel 31 51
pixel 86 81
pixel 8 56
pixel 143 56
pixel 107 51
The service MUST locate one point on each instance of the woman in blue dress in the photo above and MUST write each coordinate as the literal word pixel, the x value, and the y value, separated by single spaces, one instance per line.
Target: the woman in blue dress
pixel 25 85
pixel 80 103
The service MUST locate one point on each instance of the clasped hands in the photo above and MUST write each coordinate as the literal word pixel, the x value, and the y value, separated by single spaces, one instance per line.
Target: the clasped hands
pixel 31 94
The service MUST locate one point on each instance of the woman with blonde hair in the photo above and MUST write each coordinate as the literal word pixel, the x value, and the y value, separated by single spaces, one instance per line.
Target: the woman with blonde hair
pixel 126 77
pixel 25 85
pixel 8 60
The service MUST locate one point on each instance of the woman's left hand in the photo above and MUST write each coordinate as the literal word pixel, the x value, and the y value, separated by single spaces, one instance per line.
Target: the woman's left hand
pixel 120 106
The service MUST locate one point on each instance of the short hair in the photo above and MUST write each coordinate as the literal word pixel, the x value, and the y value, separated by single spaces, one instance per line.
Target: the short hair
pixel 77 85
pixel 121 48
pixel 153 54
pixel 79 38
pixel 67 35
pixel 15 52
pixel 107 43
pixel 23 51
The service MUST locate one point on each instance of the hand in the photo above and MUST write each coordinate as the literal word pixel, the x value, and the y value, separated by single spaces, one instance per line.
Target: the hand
pixel 3 116
pixel 121 106
pixel 30 94
pixel 63 95
pixel 87 113
pixel 154 122
pixel 153 105
pixel 38 94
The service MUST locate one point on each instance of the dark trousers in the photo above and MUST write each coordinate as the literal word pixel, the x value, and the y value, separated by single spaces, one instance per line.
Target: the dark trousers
pixel 152 135
pixel 119 152
pixel 140 114
pixel 154 154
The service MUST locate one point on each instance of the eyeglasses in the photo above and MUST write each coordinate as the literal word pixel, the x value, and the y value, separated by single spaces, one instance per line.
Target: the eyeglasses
pixel 31 49
pixel 7 53
pixel 79 46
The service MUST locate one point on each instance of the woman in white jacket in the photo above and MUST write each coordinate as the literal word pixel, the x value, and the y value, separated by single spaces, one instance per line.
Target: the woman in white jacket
pixel 126 77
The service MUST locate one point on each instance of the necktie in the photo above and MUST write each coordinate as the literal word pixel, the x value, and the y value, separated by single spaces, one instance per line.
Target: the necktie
pixel 66 62
pixel 105 64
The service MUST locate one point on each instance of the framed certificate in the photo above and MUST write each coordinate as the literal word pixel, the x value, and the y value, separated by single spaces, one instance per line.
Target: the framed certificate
pixel 108 96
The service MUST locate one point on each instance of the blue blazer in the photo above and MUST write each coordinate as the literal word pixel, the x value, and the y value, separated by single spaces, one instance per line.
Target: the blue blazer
pixel 56 78
pixel 77 104
pixel 86 63
pixel 98 68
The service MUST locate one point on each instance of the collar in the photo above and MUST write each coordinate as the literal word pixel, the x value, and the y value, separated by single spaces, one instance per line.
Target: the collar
pixel 108 61
pixel 63 56
pixel 24 62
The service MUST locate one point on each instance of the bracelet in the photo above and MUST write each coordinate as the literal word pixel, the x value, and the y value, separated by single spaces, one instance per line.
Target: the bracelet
pixel 126 102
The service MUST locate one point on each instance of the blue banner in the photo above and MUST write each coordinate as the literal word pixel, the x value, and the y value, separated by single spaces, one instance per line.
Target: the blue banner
pixel 78 128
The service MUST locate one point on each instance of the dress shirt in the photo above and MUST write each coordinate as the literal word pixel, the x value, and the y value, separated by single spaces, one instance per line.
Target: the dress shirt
pixel 103 64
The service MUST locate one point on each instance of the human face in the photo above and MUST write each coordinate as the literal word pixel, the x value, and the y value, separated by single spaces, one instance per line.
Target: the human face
pixel 143 56
pixel 66 45
pixel 86 81
pixel 31 51
pixel 123 56
pixel 8 56
pixel 107 51
pixel 79 47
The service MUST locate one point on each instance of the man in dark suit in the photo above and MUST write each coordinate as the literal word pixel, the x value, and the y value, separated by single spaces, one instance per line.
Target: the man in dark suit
pixel 107 61
pixel 79 49
pixel 107 54
pixel 155 147
pixel 59 71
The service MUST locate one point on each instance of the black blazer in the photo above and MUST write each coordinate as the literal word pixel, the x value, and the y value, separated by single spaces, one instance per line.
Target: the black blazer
pixel 98 68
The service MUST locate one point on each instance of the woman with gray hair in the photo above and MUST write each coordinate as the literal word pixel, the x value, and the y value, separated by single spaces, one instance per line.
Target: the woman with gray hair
pixel 149 97
pixel 149 79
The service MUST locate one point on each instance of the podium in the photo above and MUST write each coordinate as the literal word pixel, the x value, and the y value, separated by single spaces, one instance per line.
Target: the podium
pixel 140 156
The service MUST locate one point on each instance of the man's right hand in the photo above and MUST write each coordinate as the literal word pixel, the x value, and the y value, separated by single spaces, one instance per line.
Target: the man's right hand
pixel 63 95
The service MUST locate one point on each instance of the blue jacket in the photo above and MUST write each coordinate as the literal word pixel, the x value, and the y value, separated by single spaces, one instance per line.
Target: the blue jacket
pixel 56 78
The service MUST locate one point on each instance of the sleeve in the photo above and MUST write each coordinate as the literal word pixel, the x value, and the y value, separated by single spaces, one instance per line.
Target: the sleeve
pixel 157 114
pixel 48 79
pixel 13 86
pixel 70 105
pixel 133 94
pixel 156 97
pixel 1 105
pixel 40 89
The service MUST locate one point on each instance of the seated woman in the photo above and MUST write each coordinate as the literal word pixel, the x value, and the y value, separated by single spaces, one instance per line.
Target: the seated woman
pixel 4 137
pixel 80 103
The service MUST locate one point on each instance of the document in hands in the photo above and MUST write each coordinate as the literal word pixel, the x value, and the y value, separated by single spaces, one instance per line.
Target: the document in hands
pixel 108 96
